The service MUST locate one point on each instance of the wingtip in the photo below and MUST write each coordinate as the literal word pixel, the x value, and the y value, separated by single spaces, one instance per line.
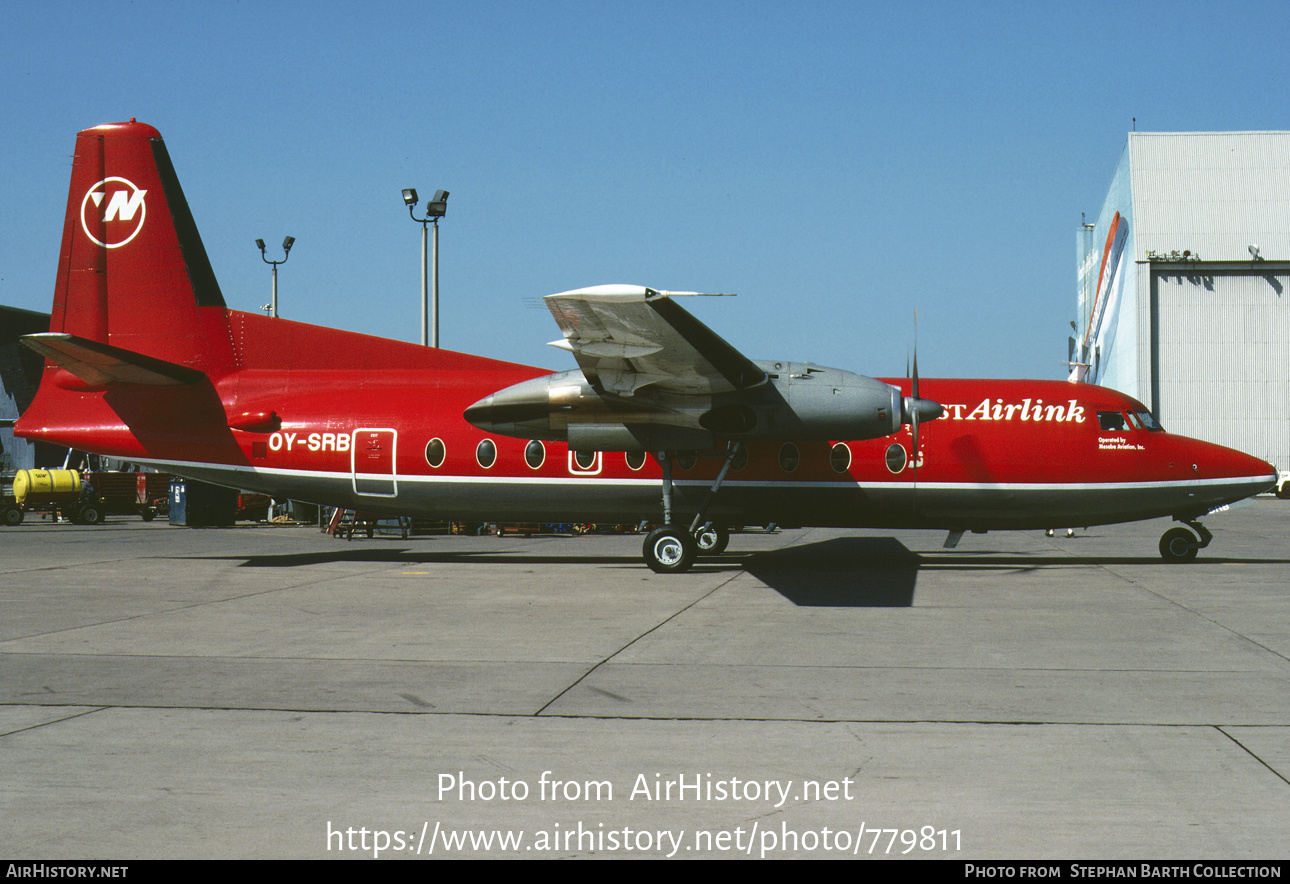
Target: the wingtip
pixel 621 291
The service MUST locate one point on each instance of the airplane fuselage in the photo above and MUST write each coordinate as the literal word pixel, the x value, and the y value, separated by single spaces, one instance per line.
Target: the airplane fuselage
pixel 359 433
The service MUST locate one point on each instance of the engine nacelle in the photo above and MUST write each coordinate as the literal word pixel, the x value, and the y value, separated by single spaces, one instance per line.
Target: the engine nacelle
pixel 798 401
pixel 817 403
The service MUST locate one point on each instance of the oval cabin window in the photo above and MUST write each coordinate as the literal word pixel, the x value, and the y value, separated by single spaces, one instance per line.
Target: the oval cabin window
pixel 435 453
pixel 840 457
pixel 789 457
pixel 896 457
pixel 534 454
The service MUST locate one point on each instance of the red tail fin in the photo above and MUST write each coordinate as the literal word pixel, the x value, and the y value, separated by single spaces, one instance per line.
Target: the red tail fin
pixel 133 272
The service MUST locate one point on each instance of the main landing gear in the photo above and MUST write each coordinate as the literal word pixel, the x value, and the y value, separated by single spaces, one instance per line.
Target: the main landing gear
pixel 712 539
pixel 672 550
pixel 1180 545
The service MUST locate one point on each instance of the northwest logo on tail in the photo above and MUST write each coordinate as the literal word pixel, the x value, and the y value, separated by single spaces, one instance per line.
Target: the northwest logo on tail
pixel 123 211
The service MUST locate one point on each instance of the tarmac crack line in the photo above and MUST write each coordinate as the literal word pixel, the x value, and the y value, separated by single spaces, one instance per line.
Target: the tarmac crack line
pixel 183 607
pixel 666 620
pixel 33 727
pixel 1211 620
pixel 1276 773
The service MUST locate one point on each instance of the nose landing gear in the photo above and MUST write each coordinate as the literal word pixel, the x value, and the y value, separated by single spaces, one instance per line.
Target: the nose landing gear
pixel 1180 545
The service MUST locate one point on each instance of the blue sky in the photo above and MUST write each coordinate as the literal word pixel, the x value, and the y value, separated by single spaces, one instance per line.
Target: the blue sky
pixel 836 164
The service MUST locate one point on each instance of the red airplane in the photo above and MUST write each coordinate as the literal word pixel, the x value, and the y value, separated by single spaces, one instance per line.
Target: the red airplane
pixel 663 421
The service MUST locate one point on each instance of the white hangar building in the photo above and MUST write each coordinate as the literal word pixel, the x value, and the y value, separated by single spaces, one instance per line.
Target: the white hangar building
pixel 1184 286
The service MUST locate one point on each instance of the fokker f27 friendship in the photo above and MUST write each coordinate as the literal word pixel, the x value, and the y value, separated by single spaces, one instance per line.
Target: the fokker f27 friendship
pixel 663 420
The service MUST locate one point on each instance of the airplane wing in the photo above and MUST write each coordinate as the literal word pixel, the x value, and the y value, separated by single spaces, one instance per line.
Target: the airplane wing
pixel 652 377
pixel 632 340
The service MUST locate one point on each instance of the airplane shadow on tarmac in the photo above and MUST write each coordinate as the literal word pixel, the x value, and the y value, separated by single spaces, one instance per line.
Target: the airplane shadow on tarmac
pixel 842 572
pixel 863 572
pixel 881 572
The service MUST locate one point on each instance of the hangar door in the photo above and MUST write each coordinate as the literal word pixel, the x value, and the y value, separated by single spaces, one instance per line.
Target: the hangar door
pixel 1221 357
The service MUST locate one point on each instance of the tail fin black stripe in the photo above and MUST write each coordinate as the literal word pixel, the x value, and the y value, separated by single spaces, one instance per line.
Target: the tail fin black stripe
pixel 200 274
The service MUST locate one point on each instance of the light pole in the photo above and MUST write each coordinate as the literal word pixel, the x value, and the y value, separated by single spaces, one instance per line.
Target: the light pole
pixel 287 243
pixel 435 210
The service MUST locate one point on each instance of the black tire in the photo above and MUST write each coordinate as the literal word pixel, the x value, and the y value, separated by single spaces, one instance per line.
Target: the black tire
pixel 1178 545
pixel 712 540
pixel 11 516
pixel 669 550
pixel 148 514
pixel 90 514
pixel 1283 491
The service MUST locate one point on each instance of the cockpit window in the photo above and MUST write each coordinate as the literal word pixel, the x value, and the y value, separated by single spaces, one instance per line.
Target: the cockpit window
pixel 1111 421
pixel 1148 421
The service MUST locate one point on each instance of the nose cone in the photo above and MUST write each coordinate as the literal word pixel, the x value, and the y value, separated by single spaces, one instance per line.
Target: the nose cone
pixel 1225 475
pixel 1261 474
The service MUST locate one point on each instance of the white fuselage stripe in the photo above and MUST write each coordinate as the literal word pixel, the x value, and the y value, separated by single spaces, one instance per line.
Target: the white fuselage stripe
pixel 578 482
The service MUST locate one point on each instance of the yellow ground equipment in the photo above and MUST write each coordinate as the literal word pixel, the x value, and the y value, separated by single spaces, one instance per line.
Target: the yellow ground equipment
pixel 34 487
pixel 61 489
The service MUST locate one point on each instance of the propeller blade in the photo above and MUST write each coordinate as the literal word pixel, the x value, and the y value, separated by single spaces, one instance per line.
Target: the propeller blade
pixel 915 390
pixel 913 416
pixel 915 410
pixel 914 427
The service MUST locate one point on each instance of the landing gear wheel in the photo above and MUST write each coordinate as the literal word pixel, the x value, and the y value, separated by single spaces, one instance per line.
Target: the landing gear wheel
pixel 11 516
pixel 669 550
pixel 1178 545
pixel 89 514
pixel 712 540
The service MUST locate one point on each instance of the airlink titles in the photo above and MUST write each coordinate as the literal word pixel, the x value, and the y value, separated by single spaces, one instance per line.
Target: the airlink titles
pixel 1025 410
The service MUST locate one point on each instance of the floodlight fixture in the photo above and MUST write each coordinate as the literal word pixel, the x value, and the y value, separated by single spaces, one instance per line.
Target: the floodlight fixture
pixel 272 306
pixel 435 209
pixel 438 207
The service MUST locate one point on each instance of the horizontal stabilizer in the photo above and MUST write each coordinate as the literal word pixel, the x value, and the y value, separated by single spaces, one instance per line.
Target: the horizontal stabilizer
pixel 101 365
